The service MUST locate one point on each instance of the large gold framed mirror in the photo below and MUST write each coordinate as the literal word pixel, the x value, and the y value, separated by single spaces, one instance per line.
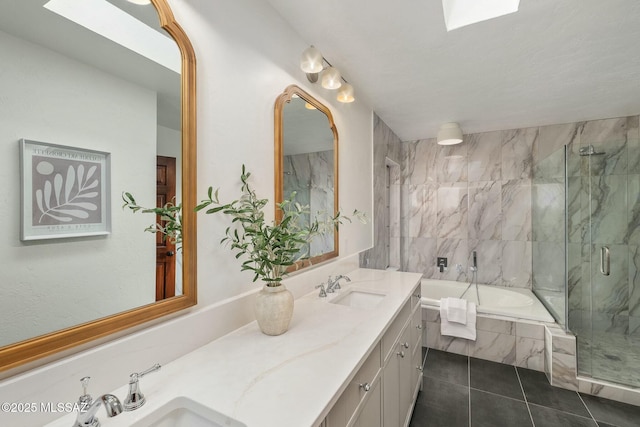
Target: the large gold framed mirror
pixel 69 81
pixel 306 162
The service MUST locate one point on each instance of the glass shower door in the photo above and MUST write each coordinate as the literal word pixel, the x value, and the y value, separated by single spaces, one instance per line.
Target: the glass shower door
pixel 604 290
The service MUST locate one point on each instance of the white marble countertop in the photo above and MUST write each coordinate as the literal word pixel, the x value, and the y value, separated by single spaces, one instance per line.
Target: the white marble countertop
pixel 289 380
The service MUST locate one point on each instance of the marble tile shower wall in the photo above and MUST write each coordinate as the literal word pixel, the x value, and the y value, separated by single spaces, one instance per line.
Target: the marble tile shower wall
pixel 310 175
pixel 466 197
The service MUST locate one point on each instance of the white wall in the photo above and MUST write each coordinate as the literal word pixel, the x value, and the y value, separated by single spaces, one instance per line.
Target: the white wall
pixel 47 97
pixel 246 56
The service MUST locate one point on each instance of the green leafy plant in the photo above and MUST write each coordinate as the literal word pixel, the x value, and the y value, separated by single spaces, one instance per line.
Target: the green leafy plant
pixel 269 249
pixel 170 218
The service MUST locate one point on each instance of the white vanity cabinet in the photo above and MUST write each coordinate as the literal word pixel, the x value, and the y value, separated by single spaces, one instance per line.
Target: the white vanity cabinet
pixel 385 397
pixel 402 366
pixel 361 397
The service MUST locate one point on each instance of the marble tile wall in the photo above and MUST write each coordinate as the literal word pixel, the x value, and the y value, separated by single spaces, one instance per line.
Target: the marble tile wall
pixel 466 197
pixel 386 145
pixel 501 193
pixel 310 175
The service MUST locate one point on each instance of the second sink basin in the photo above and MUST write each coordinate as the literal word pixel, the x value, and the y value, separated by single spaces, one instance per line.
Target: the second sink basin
pixel 184 412
pixel 358 299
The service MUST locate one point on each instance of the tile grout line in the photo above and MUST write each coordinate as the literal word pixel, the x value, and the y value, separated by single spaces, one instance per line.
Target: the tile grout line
pixel 526 402
pixel 498 395
pixel 469 384
pixel 588 410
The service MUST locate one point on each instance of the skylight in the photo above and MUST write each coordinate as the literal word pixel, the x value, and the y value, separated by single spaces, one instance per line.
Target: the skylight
pixel 459 13
pixel 107 20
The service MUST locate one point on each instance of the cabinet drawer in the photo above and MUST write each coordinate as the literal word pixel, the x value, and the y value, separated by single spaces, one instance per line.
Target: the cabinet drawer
pixel 390 337
pixel 351 397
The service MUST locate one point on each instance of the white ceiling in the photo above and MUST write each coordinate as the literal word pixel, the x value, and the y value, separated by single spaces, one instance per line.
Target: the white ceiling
pixel 554 61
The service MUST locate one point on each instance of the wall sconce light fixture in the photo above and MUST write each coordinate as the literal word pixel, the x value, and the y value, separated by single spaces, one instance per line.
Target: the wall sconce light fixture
pixel 449 134
pixel 312 63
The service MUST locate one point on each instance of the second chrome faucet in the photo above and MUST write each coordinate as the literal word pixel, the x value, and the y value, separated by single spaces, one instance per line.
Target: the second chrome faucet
pixel 333 284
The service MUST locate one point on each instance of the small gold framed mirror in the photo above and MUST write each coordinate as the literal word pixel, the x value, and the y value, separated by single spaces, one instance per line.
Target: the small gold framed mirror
pixel 306 162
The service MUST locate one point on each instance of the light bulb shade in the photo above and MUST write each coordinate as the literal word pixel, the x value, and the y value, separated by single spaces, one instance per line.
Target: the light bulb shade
pixel 345 94
pixel 311 60
pixel 449 134
pixel 308 106
pixel 331 78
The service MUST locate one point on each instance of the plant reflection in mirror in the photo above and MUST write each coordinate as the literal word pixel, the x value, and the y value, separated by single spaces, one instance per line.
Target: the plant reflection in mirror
pixel 270 249
pixel 169 215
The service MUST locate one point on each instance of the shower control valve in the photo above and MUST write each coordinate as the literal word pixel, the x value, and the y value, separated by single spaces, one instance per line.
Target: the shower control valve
pixel 441 263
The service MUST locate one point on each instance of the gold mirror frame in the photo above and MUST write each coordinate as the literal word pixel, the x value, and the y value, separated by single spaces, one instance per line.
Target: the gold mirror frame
pixel 282 100
pixel 23 352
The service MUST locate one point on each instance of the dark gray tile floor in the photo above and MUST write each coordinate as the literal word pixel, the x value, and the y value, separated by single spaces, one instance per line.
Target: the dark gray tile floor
pixel 461 391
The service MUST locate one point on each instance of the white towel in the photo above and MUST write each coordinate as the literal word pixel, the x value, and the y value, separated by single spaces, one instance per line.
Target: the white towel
pixel 456 310
pixel 467 331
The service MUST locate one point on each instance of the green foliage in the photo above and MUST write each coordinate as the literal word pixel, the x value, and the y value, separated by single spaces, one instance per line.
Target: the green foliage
pixel 269 249
pixel 170 216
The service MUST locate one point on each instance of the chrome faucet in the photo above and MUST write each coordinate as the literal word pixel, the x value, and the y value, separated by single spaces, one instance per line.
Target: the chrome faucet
pixel 333 284
pixel 87 416
pixel 323 292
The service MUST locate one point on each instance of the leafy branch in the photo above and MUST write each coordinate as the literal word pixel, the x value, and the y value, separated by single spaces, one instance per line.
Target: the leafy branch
pixel 170 224
pixel 269 249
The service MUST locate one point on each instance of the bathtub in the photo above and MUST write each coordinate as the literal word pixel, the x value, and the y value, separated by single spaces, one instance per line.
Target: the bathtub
pixel 510 302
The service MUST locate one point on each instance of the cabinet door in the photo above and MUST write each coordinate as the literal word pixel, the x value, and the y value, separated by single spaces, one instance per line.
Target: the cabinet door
pixel 340 414
pixel 406 375
pixel 416 364
pixel 390 391
pixel 371 415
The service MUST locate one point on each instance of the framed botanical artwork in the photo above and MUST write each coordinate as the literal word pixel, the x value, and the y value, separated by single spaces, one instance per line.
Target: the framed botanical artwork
pixel 65 191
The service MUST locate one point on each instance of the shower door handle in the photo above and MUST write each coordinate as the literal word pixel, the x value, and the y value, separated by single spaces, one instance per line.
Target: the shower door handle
pixel 605 263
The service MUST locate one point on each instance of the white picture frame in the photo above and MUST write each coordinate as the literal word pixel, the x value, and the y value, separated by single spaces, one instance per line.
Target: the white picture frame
pixel 65 191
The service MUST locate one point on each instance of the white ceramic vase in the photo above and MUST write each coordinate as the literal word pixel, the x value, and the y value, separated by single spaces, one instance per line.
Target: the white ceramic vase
pixel 274 309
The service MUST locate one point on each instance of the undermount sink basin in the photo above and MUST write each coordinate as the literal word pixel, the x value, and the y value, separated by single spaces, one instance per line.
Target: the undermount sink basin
pixel 358 299
pixel 184 412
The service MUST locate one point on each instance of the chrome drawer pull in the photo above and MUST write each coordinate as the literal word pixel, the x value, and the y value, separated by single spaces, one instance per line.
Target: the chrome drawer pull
pixel 366 387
